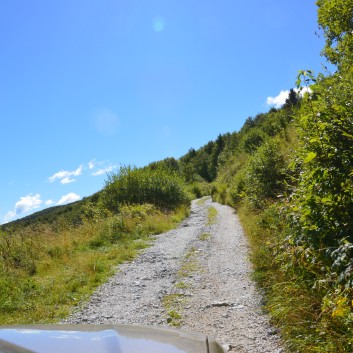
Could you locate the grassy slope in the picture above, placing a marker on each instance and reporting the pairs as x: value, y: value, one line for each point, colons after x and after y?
x: 45, y: 272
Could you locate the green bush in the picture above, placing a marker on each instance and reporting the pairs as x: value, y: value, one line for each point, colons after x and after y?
x: 17, y: 253
x: 199, y: 189
x: 133, y: 185
x: 321, y: 213
x: 265, y: 174
x: 236, y: 191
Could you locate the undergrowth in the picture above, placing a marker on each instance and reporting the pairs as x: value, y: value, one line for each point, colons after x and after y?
x: 309, y: 319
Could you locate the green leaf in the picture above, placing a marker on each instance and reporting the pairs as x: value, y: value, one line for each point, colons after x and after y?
x: 347, y: 134
x: 298, y: 82
x: 326, y: 201
x: 310, y: 156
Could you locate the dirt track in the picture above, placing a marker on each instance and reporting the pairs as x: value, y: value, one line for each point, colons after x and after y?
x: 197, y: 277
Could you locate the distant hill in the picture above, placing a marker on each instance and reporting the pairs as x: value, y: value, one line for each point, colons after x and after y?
x: 70, y: 214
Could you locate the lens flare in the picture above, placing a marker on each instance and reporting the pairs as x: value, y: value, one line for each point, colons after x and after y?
x: 158, y: 24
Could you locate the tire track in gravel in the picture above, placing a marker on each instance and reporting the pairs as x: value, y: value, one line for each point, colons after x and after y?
x: 214, y: 295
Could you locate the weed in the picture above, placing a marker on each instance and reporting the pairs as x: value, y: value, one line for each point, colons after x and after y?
x: 172, y: 304
x: 174, y: 318
x: 205, y: 236
x: 189, y: 264
x: 212, y: 215
x: 182, y: 285
x: 203, y: 200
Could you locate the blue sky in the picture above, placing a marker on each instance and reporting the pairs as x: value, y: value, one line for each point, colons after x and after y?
x: 88, y: 85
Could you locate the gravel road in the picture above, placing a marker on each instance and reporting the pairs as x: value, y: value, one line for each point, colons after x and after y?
x: 196, y: 277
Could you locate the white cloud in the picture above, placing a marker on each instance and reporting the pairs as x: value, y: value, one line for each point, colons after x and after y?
x: 65, y: 177
x: 24, y: 205
x: 280, y: 99
x: 70, y: 197
x: 104, y: 170
x: 27, y: 203
x: 303, y: 91
x: 67, y: 180
x: 92, y: 163
x: 49, y: 202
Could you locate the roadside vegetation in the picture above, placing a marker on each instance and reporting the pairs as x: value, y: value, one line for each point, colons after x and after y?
x: 290, y: 179
x: 48, y: 267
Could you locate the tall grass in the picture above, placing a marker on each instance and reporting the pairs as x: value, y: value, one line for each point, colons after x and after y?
x: 45, y: 273
x: 307, y: 321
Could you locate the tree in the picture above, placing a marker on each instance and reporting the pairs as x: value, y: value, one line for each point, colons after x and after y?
x: 335, y: 19
x: 292, y: 100
x: 218, y: 147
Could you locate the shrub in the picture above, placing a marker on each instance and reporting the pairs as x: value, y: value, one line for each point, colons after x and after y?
x: 133, y: 185
x: 265, y: 174
x: 199, y: 189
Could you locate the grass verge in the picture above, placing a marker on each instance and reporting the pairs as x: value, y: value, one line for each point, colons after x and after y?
x: 44, y: 274
x: 290, y: 299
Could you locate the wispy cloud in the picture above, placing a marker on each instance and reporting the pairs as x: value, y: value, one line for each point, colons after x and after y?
x: 66, y: 177
x: 70, y: 197
x: 280, y: 99
x: 104, y: 170
x: 24, y: 205
x: 92, y: 163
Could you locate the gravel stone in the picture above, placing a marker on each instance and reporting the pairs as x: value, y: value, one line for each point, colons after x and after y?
x: 220, y: 301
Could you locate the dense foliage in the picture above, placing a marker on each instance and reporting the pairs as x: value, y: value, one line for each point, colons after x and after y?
x: 157, y: 186
x: 335, y: 18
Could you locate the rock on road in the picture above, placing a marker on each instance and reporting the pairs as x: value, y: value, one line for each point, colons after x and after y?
x: 196, y: 276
